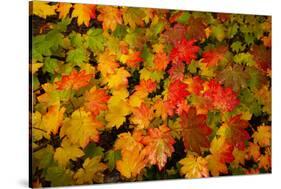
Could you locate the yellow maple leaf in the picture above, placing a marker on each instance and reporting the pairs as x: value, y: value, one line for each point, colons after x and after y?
x: 81, y: 128
x: 92, y: 171
x: 215, y: 166
x: 118, y: 108
x: 194, y: 167
x: 118, y: 79
x: 253, y: 151
x: 239, y: 157
x: 107, y: 63
x: 262, y: 136
x: 63, y: 9
x: 50, y: 122
x: 110, y: 17
x: 133, y: 158
x: 66, y: 152
x: 134, y: 17
x: 43, y: 9
x: 84, y: 13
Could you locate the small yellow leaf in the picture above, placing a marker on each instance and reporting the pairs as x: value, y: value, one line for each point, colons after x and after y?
x: 66, y: 152
x: 43, y: 9
x: 194, y: 167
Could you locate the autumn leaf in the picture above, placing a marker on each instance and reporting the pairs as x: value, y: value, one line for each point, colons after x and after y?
x: 194, y: 167
x: 107, y: 63
x: 158, y: 146
x: 175, y: 34
x: 92, y: 171
x: 67, y: 152
x: 63, y: 9
x: 59, y: 176
x: 222, y: 150
x: 110, y: 17
x: 161, y: 61
x: 234, y: 131
x: 48, y: 123
x: 84, y: 13
x: 96, y: 101
x: 253, y: 151
x: 133, y: 16
x: 184, y: 51
x: 262, y: 56
x: 81, y: 128
x: 142, y: 116
x: 43, y: 9
x: 214, y: 56
x: 262, y: 136
x: 224, y: 99
x: 215, y: 166
x: 75, y: 80
x: 196, y: 28
x: 176, y: 72
x: 118, y: 108
x: 118, y: 79
x: 133, y: 159
x: 195, y: 130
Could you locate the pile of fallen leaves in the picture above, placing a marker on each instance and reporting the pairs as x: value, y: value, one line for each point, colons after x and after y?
x: 129, y: 94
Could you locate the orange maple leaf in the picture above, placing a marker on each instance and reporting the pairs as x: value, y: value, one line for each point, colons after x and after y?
x: 158, y: 145
x: 84, y: 13
x: 214, y: 56
x: 96, y: 101
x: 75, y: 80
x: 110, y: 17
x: 63, y: 9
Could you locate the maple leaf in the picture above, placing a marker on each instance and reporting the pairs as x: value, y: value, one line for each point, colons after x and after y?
x: 239, y: 157
x: 75, y: 80
x: 158, y: 145
x: 118, y: 108
x: 110, y: 17
x: 195, y: 85
x: 63, y: 9
x: 92, y: 171
x: 215, y: 166
x: 221, y: 98
x: 262, y: 56
x: 222, y: 150
x: 118, y: 79
x: 194, y: 130
x: 196, y: 28
x: 81, y: 128
x: 59, y: 176
x: 133, y: 16
x: 67, y: 152
x: 84, y: 13
x: 214, y: 56
x: 234, y: 131
x: 175, y: 34
x: 96, y: 101
x: 194, y: 167
x: 265, y: 161
x: 133, y: 159
x: 43, y: 9
x: 176, y: 72
x: 48, y: 123
x: 161, y: 60
x: 142, y: 116
x: 234, y: 77
x: 184, y: 51
x: 262, y: 136
x: 95, y: 40
x: 146, y: 85
x: 132, y: 59
x: 107, y: 63
x: 253, y: 151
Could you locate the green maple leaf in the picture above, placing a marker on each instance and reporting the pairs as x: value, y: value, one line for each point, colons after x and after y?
x: 77, y: 56
x: 95, y: 40
x: 111, y: 157
x: 50, y: 65
x: 237, y: 46
x: 93, y: 150
x: 58, y: 176
x: 244, y: 59
x: 76, y: 39
x: 234, y: 77
x: 218, y: 32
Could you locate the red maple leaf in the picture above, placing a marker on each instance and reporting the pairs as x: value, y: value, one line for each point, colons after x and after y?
x: 195, y: 130
x: 262, y: 56
x: 214, y: 56
x: 224, y: 99
x: 146, y: 85
x: 184, y: 51
x: 75, y: 80
x: 234, y: 132
x: 176, y: 72
x: 177, y: 93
